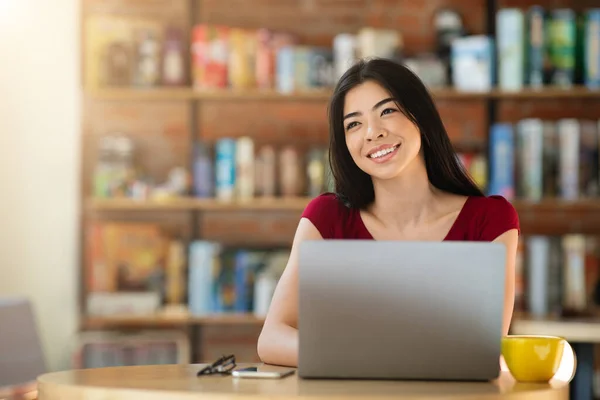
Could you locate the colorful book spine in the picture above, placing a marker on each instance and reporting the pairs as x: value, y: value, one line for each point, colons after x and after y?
x: 285, y: 69
x: 588, y: 158
x: 550, y: 160
x: 538, y: 250
x: 530, y: 133
x: 535, y: 50
x: 574, y: 274
x: 569, y: 138
x: 510, y: 47
x: 562, y: 47
x: 200, y: 291
x: 592, y: 48
x: 501, y: 181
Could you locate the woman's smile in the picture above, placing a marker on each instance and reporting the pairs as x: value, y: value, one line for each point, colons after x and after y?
x: 383, y: 153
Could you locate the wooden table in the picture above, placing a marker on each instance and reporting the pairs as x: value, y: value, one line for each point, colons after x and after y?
x: 179, y: 382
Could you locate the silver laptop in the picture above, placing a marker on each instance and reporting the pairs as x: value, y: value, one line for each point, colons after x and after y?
x: 400, y: 310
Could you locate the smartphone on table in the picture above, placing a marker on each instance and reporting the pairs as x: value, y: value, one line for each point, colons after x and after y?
x: 263, y: 372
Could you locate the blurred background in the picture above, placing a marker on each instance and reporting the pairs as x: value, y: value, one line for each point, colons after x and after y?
x: 157, y: 154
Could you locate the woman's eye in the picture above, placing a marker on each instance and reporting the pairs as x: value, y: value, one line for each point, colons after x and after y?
x: 388, y: 111
x: 351, y: 125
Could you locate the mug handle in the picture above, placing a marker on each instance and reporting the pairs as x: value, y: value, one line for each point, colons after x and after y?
x: 568, y: 363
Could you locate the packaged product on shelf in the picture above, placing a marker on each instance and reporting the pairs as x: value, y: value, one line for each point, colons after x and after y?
x: 244, y: 179
x: 173, y: 61
x: 315, y: 171
x: 285, y: 70
x: 104, y: 169
x: 291, y: 176
x: 147, y: 71
x: 242, y: 58
x: 383, y: 43
x: 472, y: 63
x: 265, y: 59
x: 210, y: 52
x: 321, y: 73
x: 203, y: 172
x: 301, y: 67
x: 225, y: 169
x: 266, y: 176
x: 344, y: 53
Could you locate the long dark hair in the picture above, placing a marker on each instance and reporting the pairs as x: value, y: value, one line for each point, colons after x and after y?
x: 353, y: 186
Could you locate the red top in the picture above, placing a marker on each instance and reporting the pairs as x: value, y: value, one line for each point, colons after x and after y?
x: 481, y: 219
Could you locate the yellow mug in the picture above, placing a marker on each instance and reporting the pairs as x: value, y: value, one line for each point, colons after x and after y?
x: 534, y: 358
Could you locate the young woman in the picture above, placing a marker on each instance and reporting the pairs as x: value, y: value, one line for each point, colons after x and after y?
x: 397, y: 177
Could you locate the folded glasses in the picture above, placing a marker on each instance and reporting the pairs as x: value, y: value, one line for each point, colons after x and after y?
x: 223, y: 366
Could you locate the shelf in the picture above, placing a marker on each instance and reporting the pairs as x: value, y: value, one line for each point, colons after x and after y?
x: 547, y: 93
x: 574, y: 330
x: 299, y: 203
x: 583, y: 330
x: 553, y: 205
x: 189, y: 204
x: 165, y: 320
x: 185, y: 93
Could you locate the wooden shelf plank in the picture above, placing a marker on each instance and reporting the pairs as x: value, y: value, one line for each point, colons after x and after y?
x: 126, y: 204
x: 582, y: 205
x: 299, y: 203
x: 546, y: 93
x: 186, y: 93
x: 167, y: 320
x: 584, y: 330
x: 574, y: 330
x: 140, y: 94
x: 189, y: 204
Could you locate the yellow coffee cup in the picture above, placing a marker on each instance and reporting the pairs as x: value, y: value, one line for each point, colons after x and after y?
x: 533, y: 358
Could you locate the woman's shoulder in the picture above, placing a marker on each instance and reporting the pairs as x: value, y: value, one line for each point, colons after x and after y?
x: 325, y: 211
x: 492, y: 215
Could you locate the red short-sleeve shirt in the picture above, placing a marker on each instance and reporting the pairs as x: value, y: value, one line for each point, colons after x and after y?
x: 482, y: 218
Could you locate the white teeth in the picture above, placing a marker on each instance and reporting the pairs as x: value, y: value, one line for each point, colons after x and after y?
x: 382, y: 153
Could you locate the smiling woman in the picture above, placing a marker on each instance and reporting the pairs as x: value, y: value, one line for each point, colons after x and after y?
x: 397, y: 177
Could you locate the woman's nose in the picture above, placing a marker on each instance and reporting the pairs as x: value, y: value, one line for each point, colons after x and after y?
x: 375, y: 132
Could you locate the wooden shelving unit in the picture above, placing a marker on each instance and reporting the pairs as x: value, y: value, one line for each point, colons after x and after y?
x: 179, y: 111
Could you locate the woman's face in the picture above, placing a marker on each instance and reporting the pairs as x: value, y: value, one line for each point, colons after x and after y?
x: 381, y: 139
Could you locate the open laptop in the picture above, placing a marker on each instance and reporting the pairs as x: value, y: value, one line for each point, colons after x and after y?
x: 400, y: 310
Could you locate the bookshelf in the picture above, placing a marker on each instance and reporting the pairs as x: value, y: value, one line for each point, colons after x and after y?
x: 181, y: 113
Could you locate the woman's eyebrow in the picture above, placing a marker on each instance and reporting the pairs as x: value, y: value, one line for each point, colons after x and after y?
x: 379, y: 104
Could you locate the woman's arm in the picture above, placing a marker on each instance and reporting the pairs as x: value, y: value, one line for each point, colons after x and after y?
x: 278, y: 340
x: 511, y: 241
